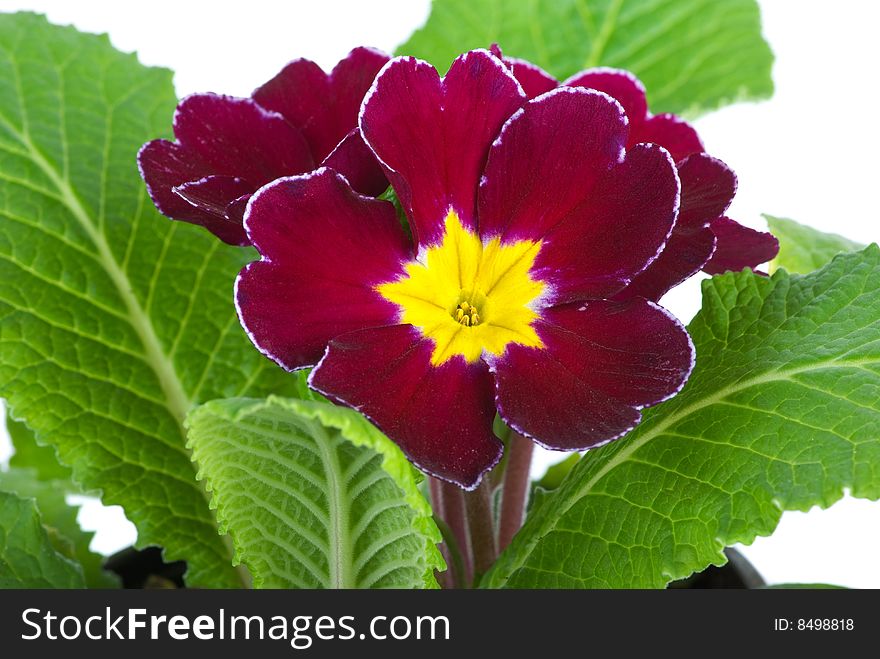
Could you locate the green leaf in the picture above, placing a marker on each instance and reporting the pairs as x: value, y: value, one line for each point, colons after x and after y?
x: 555, y: 473
x: 27, y: 557
x: 551, y: 479
x: 59, y: 518
x: 30, y: 455
x: 781, y: 413
x: 114, y: 321
x: 36, y: 473
x: 803, y: 249
x: 692, y: 55
x: 314, y: 496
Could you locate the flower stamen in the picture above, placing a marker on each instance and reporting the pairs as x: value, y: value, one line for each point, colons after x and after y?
x: 466, y: 314
x: 458, y: 290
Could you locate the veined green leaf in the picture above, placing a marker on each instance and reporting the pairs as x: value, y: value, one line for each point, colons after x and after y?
x: 59, y: 519
x: 114, y: 321
x: 314, y: 496
x: 781, y: 413
x: 27, y: 557
x: 555, y: 473
x: 804, y: 249
x: 692, y: 55
x: 34, y: 472
x: 30, y: 455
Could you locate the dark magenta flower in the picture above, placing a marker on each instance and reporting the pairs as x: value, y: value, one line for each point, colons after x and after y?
x: 226, y: 148
x: 707, y: 188
x: 704, y: 238
x: 527, y: 217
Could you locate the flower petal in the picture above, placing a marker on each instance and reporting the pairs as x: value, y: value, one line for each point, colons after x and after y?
x: 533, y: 79
x: 323, y: 106
x: 351, y: 79
x: 620, y: 85
x: 547, y: 160
x: 237, y: 137
x: 235, y: 213
x: 433, y: 135
x: 440, y: 416
x: 602, y: 362
x: 672, y: 133
x: 739, y: 247
x: 618, y: 230
x: 356, y: 162
x: 684, y: 255
x: 165, y: 165
x: 707, y: 188
x: 324, y: 250
x: 213, y: 194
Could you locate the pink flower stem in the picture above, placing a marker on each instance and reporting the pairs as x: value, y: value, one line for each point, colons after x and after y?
x: 482, y: 528
x: 448, y: 504
x: 516, y: 488
x: 445, y: 579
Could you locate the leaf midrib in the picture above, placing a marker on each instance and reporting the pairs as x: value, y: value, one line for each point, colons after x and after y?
x: 176, y: 400
x: 624, y: 454
x: 340, y: 558
x: 603, y: 36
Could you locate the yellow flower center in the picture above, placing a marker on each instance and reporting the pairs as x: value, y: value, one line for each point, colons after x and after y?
x: 469, y: 296
x: 466, y: 314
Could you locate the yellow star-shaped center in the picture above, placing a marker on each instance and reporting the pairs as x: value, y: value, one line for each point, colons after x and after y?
x: 470, y: 296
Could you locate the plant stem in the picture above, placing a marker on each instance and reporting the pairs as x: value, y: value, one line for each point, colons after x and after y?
x: 448, y: 500
x: 516, y: 488
x: 482, y: 528
x: 446, y: 579
x: 455, y: 575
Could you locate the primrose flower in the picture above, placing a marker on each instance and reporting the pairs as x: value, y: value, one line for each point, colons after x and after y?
x: 227, y: 147
x: 527, y: 217
x: 704, y: 238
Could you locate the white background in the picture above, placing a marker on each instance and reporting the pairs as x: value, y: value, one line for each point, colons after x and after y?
x: 810, y: 154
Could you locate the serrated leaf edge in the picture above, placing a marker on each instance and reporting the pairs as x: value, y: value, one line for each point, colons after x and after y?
x: 393, y: 463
